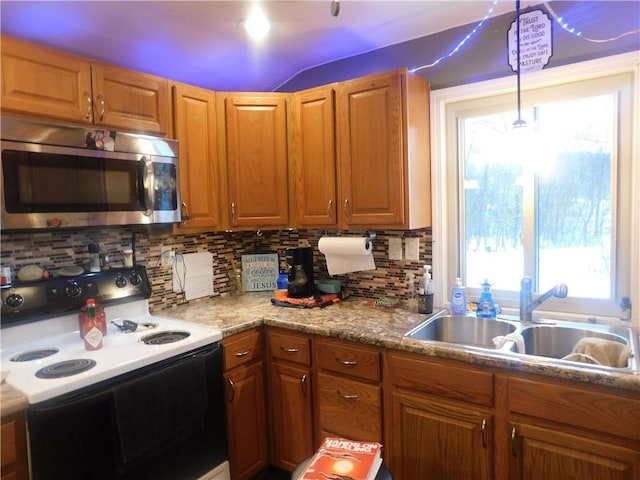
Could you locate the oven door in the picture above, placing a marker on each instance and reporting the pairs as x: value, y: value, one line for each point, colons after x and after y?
x: 48, y: 186
x: 166, y: 421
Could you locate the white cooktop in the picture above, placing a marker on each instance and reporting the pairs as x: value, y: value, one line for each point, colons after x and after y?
x: 121, y: 352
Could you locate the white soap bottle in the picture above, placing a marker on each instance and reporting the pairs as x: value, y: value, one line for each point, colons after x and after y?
x: 428, y: 282
x: 458, y: 299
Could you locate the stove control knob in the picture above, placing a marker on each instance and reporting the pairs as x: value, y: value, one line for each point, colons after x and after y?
x: 121, y: 281
x: 14, y: 300
x: 135, y: 279
x: 72, y: 289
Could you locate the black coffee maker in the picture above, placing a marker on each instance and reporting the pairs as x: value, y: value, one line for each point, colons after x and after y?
x: 300, y: 272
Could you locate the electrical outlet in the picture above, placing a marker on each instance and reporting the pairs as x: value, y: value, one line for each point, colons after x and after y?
x: 167, y: 257
x: 412, y: 249
x: 395, y: 249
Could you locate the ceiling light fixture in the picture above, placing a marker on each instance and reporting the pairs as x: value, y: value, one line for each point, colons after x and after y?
x: 519, y: 123
x: 257, y: 25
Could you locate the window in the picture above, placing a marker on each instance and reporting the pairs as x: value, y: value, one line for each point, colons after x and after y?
x: 552, y: 201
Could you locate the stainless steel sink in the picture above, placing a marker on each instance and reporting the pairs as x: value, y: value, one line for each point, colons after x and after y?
x: 461, y: 330
x: 557, y: 342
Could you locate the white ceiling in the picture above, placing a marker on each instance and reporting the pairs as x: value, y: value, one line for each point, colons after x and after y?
x: 203, y: 42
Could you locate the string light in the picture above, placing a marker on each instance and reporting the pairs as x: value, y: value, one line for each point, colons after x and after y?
x: 572, y: 30
x: 460, y: 45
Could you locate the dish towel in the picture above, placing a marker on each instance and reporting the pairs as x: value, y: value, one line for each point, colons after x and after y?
x: 516, y: 338
x: 158, y: 410
x: 600, y: 351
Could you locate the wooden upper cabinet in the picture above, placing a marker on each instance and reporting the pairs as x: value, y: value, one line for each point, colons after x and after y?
x: 314, y: 153
x: 130, y: 100
x: 384, y: 154
x: 255, y: 127
x: 195, y: 129
x: 44, y: 82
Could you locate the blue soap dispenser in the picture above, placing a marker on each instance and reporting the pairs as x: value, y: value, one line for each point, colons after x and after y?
x: 458, y: 299
x: 486, y: 305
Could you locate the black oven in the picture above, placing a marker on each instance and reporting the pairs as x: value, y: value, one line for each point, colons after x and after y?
x: 162, y: 422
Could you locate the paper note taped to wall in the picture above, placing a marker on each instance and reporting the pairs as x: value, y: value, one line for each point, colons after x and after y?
x: 193, y: 275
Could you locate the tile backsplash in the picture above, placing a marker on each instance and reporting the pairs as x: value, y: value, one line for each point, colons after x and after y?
x: 55, y: 249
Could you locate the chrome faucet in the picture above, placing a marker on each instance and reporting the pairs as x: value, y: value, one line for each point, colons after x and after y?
x: 528, y: 304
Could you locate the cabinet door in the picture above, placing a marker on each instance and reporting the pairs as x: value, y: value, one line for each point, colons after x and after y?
x: 291, y: 399
x: 348, y: 408
x: 246, y: 420
x: 431, y: 439
x: 257, y: 160
x: 130, y: 100
x: 15, y: 464
x: 538, y: 452
x: 315, y: 157
x: 195, y: 129
x: 44, y: 82
x: 371, y: 162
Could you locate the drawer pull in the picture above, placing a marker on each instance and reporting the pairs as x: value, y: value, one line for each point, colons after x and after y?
x: 303, y: 384
x: 483, y: 429
x: 244, y: 354
x: 347, y: 363
x: 102, y: 107
x: 346, y: 396
x: 514, y: 434
x: 89, y: 114
x: 289, y: 350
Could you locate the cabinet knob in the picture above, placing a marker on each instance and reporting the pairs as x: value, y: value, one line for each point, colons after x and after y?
x: 345, y: 209
x: 89, y: 114
x: 231, y: 389
x: 483, y: 429
x: 514, y: 435
x: 303, y: 384
x: 185, y: 216
x: 102, y: 106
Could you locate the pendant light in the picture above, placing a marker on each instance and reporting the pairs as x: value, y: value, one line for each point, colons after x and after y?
x: 519, y: 123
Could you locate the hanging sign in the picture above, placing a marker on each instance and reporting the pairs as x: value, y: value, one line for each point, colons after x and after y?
x: 260, y: 271
x: 536, y: 43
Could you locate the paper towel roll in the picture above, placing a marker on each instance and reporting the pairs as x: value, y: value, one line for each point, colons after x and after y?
x: 347, y: 254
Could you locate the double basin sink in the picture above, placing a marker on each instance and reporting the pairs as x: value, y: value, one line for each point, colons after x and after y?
x: 551, y: 341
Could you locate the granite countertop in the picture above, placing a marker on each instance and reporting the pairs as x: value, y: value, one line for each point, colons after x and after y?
x: 359, y: 320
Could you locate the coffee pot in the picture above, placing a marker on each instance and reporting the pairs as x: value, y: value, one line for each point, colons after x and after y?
x: 300, y: 272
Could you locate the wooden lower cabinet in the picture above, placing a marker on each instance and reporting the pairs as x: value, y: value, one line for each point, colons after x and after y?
x: 542, y: 452
x: 440, y: 420
x: 14, y: 464
x: 562, y: 430
x: 348, y: 391
x: 434, y: 439
x: 291, y: 398
x: 246, y: 407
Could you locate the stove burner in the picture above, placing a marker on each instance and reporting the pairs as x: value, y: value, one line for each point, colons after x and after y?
x: 66, y: 368
x: 161, y: 338
x: 34, y: 355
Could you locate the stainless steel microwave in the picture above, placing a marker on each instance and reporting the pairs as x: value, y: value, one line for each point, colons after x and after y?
x: 63, y: 176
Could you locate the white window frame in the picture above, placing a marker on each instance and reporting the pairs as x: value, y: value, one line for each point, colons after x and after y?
x: 443, y: 184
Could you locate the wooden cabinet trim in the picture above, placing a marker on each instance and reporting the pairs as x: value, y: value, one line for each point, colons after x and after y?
x: 349, y: 359
x: 242, y: 348
x: 289, y: 347
x: 598, y: 411
x: 458, y: 382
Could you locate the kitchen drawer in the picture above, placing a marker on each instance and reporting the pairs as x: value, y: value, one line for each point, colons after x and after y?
x: 614, y: 414
x: 457, y: 382
x: 242, y: 348
x: 289, y: 346
x: 349, y: 408
x: 348, y: 359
